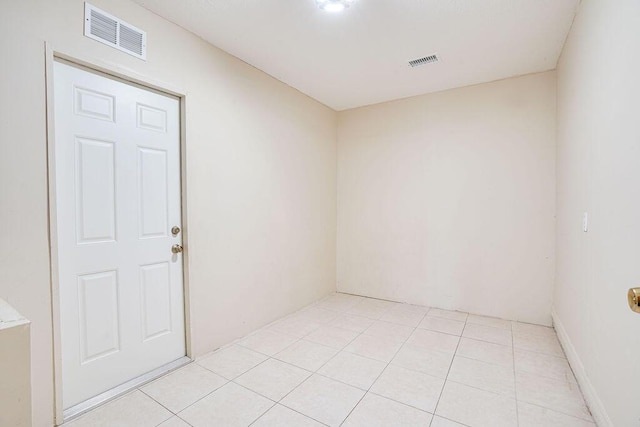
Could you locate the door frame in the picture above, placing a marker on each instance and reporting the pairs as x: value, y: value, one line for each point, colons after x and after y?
x: 114, y: 71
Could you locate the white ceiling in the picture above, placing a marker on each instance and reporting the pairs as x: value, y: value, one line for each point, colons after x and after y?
x: 359, y: 57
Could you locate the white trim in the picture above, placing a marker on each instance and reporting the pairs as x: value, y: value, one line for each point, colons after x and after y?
x: 147, y: 82
x: 594, y: 403
x: 53, y: 238
x: 118, y: 71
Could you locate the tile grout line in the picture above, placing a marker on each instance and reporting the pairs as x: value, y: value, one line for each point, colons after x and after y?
x: 173, y: 414
x: 548, y: 378
x: 159, y: 403
x: 333, y: 348
x: 346, y: 312
x: 315, y: 373
x: 203, y: 397
x: 342, y: 349
x: 351, y: 385
x: 347, y: 384
x: 397, y: 401
x: 258, y: 393
x: 311, y: 372
x: 482, y: 389
x: 435, y: 410
x: 275, y: 403
x: 339, y: 313
x: 278, y: 401
x: 356, y: 337
x: 298, y: 339
x: 383, y: 371
x: 183, y: 420
x: 449, y: 419
x: 223, y: 385
x: 560, y: 412
x: 523, y: 401
x: 497, y: 365
x: 438, y: 331
x: 369, y: 358
x: 359, y: 388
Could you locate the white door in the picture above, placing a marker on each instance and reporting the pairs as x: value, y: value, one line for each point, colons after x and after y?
x: 117, y: 161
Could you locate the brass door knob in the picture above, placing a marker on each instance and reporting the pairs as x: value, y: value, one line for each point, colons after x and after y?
x: 176, y: 249
x: 634, y: 299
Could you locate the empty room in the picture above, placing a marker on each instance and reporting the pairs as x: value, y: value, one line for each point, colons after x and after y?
x: 313, y: 213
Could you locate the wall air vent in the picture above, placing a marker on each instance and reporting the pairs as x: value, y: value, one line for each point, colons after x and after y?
x: 426, y: 60
x: 114, y: 32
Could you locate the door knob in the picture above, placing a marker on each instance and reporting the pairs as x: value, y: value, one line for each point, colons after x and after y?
x: 634, y: 299
x: 176, y: 249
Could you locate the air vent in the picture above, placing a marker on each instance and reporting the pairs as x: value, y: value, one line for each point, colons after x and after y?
x: 426, y: 60
x: 114, y: 32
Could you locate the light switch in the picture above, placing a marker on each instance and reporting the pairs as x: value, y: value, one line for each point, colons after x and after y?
x: 585, y: 222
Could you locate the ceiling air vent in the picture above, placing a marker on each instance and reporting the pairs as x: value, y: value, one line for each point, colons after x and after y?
x: 114, y: 32
x: 426, y: 60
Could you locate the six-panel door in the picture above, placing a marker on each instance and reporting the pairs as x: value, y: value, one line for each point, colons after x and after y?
x: 117, y: 161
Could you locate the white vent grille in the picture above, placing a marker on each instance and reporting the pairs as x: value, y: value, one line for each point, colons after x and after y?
x: 426, y: 60
x: 114, y: 32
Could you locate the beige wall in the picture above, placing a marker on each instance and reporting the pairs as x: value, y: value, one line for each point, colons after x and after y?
x: 15, y: 368
x: 15, y: 387
x: 261, y: 172
x: 448, y: 199
x: 599, y: 173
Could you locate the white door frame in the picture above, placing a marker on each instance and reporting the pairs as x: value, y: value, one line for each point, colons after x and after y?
x: 112, y: 70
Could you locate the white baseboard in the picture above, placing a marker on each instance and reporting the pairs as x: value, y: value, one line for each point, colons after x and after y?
x: 594, y: 403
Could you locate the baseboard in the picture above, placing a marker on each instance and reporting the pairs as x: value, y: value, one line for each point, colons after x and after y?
x: 594, y: 403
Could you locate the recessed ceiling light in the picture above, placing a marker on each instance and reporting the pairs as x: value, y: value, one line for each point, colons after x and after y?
x: 334, y: 5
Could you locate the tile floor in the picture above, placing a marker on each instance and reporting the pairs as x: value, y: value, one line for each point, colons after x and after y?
x: 354, y: 361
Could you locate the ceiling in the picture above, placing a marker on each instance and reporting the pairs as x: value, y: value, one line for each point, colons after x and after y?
x: 360, y: 56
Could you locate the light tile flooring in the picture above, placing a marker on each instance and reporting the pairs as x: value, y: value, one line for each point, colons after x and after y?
x: 354, y: 361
